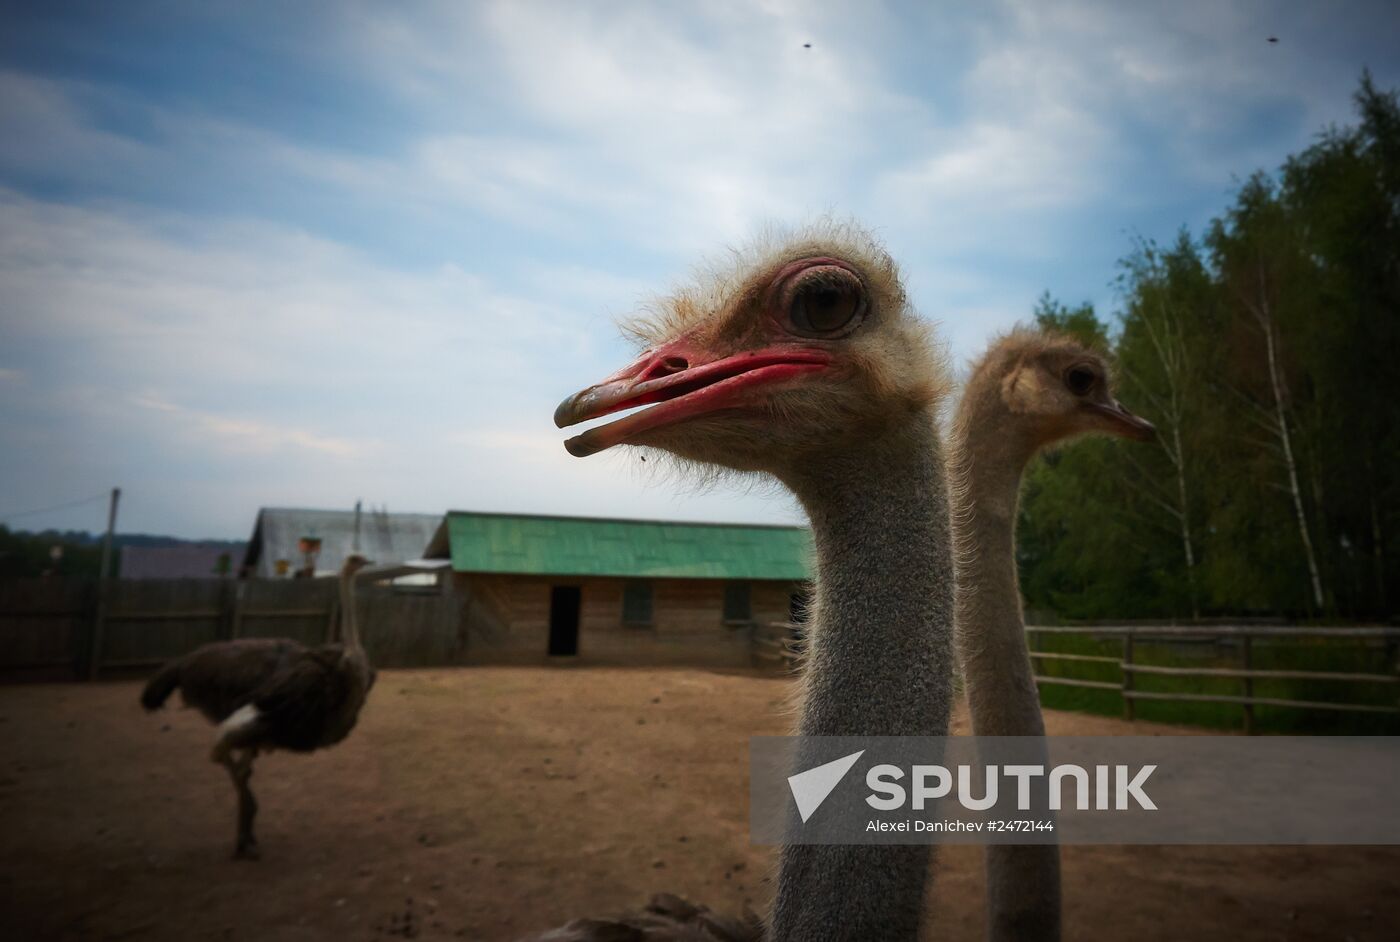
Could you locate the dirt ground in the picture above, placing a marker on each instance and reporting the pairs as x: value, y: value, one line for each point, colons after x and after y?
x: 483, y: 803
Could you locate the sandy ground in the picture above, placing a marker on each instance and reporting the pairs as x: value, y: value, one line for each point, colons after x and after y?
x: 485, y: 803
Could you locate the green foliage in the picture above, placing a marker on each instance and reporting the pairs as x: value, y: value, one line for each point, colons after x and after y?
x: 32, y: 554
x: 1081, y: 322
x: 1264, y: 353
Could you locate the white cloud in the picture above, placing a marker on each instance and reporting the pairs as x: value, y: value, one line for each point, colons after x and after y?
x: 236, y: 435
x: 673, y: 132
x: 245, y: 365
x: 395, y: 320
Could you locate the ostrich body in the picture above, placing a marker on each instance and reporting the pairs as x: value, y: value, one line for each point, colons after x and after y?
x: 1028, y: 391
x: 807, y: 364
x: 271, y: 693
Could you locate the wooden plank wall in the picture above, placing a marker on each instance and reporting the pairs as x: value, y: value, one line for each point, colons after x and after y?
x: 46, y: 625
x: 411, y: 629
x: 507, y: 619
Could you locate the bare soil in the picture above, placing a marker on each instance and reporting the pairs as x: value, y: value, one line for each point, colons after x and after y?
x: 484, y: 803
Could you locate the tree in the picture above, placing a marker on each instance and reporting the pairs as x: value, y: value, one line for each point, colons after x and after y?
x: 1263, y: 272
x: 1163, y: 354
x: 1266, y: 355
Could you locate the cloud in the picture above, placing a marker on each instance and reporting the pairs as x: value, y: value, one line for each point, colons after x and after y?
x: 211, y: 367
x: 673, y: 132
x: 230, y: 300
x: 239, y: 435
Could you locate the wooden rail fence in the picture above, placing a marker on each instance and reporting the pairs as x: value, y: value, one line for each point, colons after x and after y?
x: 1131, y: 667
x: 776, y: 643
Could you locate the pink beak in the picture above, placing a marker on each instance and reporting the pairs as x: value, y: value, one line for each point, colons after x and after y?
x: 687, y: 381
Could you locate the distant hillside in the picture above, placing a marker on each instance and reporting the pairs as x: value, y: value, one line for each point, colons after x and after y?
x: 26, y: 553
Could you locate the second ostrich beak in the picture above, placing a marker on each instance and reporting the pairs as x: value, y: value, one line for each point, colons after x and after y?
x: 686, y: 381
x: 1115, y: 419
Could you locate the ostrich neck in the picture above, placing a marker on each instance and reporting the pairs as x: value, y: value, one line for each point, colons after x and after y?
x: 997, y: 672
x: 349, y: 628
x: 878, y: 662
x: 1023, y: 882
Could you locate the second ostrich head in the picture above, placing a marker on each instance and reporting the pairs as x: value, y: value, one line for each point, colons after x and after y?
x: 804, y: 345
x: 1041, y: 388
x: 353, y: 564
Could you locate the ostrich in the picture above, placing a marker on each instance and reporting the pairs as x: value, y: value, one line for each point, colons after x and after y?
x: 805, y: 362
x: 1029, y: 390
x: 272, y: 693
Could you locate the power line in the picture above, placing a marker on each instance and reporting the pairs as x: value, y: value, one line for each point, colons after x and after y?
x: 43, y: 510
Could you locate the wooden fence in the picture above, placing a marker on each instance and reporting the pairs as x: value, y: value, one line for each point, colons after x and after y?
x: 71, y: 627
x: 778, y: 643
x: 1245, y: 639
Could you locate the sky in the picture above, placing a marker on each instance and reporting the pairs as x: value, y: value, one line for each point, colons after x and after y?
x: 265, y: 254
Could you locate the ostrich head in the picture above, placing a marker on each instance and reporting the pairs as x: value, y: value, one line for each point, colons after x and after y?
x: 1048, y: 387
x: 353, y: 564
x: 804, y: 345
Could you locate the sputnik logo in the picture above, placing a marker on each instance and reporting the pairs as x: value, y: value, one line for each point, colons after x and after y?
x: 810, y: 788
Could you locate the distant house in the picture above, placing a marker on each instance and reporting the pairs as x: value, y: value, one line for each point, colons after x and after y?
x: 191, y: 561
x: 287, y: 540
x: 618, y: 591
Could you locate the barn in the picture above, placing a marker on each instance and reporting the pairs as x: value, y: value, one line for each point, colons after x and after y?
x: 533, y: 589
x: 288, y: 539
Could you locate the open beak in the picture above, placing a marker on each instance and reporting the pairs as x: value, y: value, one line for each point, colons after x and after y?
x: 1117, y: 420
x: 685, y: 381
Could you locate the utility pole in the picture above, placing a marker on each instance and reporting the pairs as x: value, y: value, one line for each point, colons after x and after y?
x: 111, y: 529
x: 99, y: 615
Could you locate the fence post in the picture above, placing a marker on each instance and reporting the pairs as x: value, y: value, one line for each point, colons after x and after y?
x: 224, y: 630
x: 1033, y: 646
x: 1247, y: 658
x: 1127, y: 681
x: 80, y: 642
x: 99, y: 618
x: 235, y: 624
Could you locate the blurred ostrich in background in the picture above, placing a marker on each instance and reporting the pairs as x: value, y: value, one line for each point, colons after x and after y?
x: 272, y: 693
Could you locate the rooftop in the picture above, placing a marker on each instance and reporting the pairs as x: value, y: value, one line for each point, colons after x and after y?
x: 382, y: 537
x: 528, y: 544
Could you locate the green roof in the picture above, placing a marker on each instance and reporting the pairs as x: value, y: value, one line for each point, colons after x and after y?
x: 581, y: 546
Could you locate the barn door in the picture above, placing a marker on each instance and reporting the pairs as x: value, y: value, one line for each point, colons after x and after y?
x: 563, y: 620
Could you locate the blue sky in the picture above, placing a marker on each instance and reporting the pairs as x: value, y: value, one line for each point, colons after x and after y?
x: 299, y: 254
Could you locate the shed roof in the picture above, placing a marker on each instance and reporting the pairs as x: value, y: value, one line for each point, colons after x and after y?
x: 383, y: 537
x: 589, y: 546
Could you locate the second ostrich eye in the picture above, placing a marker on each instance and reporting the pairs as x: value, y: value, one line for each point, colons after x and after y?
x: 1080, y: 380
x: 826, y: 302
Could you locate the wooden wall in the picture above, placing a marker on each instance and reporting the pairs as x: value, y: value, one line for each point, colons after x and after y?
x: 59, y: 628
x: 508, y: 620
x: 55, y: 628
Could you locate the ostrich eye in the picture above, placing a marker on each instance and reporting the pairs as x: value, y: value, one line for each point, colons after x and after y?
x: 826, y: 301
x: 1080, y: 379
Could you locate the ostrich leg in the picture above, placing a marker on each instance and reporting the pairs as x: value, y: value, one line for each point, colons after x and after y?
x: 241, y: 770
